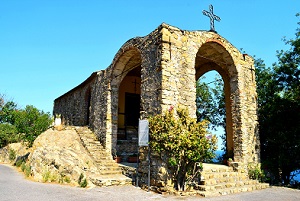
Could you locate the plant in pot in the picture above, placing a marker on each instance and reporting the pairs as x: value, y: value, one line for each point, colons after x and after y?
x: 133, y: 158
x: 229, y: 161
x: 116, y: 156
x: 227, y: 155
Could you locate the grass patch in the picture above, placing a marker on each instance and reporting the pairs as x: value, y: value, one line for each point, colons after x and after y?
x: 46, y: 176
x: 82, y: 181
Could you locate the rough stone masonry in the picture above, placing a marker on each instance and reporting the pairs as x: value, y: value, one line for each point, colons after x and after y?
x: 152, y: 73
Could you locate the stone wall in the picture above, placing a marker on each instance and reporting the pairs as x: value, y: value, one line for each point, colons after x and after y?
x: 74, y: 106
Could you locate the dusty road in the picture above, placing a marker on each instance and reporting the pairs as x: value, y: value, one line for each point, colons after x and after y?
x: 14, y: 187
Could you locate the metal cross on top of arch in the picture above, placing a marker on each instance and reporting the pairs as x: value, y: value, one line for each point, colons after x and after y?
x: 212, y: 17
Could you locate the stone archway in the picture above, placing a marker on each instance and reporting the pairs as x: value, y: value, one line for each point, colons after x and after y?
x: 213, y: 56
x: 126, y: 90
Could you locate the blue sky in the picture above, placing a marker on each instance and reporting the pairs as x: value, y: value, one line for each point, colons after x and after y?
x: 47, y: 47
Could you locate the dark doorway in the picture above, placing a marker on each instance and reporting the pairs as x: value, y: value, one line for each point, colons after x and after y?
x: 88, y: 97
x: 132, y: 109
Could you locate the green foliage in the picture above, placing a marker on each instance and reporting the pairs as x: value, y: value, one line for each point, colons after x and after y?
x: 19, y: 163
x: 278, y: 91
x: 181, y: 142
x: 46, y: 176
x: 66, y: 179
x: 23, y: 166
x: 82, y: 181
x: 8, y: 134
x: 210, y: 101
x: 7, y: 112
x: 31, y: 122
x: 11, y: 154
x: 21, y: 124
x: 255, y: 172
x: 27, y: 170
x: 62, y: 178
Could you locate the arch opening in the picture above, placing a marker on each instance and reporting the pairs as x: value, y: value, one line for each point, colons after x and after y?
x: 210, y: 103
x: 127, y: 90
x: 212, y: 56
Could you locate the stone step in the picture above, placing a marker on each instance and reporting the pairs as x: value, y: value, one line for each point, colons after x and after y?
x: 109, y: 180
x: 215, y: 186
x: 232, y: 190
x: 221, y: 179
x: 103, y: 159
x: 227, y: 180
x: 214, y: 168
x: 110, y: 172
x: 109, y: 165
x: 92, y: 141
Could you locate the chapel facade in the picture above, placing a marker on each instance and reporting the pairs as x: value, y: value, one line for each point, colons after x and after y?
x: 150, y: 74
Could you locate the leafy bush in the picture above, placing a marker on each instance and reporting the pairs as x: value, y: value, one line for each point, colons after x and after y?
x: 46, y: 176
x: 181, y: 142
x: 21, y: 124
x: 19, y: 163
x: 11, y: 154
x: 82, y: 182
x: 7, y: 112
x: 8, y: 134
x: 255, y: 172
x: 31, y: 122
x: 23, y: 166
x: 67, y: 179
x: 27, y: 170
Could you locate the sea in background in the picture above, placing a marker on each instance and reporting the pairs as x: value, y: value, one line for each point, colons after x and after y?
x: 219, y: 153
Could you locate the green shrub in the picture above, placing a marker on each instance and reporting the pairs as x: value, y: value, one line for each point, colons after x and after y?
x: 181, y: 141
x: 82, y: 182
x: 46, y: 176
x: 63, y: 179
x: 31, y: 122
x: 80, y: 178
x: 8, y: 134
x: 255, y: 172
x: 67, y: 179
x: 21, y: 124
x: 23, y: 166
x: 11, y: 154
x: 27, y: 170
x: 19, y: 163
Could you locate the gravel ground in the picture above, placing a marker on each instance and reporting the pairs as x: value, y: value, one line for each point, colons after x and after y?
x: 13, y: 187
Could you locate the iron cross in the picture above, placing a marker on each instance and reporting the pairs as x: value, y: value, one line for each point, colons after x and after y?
x: 212, y: 17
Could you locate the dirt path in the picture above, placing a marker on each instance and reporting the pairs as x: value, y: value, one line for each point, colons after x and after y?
x: 13, y: 187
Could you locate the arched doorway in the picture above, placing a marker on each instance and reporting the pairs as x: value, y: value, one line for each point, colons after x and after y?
x: 126, y: 92
x: 129, y: 105
x: 213, y: 56
x: 88, y: 97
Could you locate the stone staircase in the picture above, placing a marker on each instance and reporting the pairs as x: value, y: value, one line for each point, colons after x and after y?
x: 110, y: 173
x: 219, y: 180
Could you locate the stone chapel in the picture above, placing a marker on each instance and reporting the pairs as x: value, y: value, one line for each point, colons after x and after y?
x: 150, y: 74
